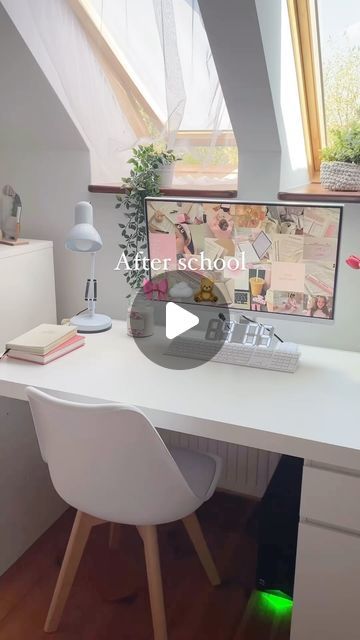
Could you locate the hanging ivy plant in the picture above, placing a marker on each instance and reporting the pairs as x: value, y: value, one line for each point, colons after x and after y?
x: 143, y: 181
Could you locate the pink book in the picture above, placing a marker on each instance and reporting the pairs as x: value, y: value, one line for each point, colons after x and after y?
x: 70, y: 345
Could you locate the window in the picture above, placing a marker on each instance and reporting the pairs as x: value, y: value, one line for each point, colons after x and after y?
x: 164, y: 77
x: 339, y: 38
x: 326, y: 39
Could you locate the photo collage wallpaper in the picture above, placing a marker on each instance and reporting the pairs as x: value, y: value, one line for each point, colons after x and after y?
x: 268, y: 258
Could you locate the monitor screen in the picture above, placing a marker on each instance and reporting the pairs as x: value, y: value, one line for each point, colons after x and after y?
x: 272, y: 258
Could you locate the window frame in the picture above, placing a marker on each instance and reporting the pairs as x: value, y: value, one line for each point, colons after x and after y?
x: 303, y: 18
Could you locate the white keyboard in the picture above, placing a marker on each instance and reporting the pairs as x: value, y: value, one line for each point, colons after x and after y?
x: 282, y: 357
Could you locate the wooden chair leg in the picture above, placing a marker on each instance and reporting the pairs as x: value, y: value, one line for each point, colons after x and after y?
x: 196, y: 535
x: 78, y: 538
x: 114, y: 536
x: 151, y: 550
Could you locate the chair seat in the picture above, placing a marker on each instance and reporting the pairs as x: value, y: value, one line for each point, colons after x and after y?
x: 200, y: 470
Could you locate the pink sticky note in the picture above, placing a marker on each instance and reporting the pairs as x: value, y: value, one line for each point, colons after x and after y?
x: 288, y: 276
x: 163, y: 246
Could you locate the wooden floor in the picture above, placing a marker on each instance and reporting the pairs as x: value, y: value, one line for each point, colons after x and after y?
x: 109, y: 599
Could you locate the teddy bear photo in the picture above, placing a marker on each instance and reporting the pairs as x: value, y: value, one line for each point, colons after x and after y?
x: 205, y: 293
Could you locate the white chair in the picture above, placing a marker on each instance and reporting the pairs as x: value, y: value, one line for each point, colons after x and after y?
x: 109, y: 462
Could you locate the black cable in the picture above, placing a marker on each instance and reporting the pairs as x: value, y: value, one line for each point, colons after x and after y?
x: 4, y: 354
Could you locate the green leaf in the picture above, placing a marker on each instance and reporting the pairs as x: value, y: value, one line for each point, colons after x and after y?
x: 144, y: 180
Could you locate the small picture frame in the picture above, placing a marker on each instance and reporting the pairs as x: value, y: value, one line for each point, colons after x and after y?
x: 10, y: 215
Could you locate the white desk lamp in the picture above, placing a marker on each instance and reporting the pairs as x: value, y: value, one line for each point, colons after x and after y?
x: 83, y: 237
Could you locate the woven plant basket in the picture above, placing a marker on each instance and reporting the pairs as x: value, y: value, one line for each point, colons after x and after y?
x: 340, y: 176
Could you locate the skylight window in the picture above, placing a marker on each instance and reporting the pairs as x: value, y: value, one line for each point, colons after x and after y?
x: 339, y: 31
x: 326, y: 40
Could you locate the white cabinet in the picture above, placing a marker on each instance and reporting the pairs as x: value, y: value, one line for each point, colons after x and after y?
x: 28, y: 502
x: 331, y: 497
x: 27, y: 288
x: 326, y: 598
x: 326, y: 595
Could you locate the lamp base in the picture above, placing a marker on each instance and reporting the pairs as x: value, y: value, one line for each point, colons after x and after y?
x: 87, y: 323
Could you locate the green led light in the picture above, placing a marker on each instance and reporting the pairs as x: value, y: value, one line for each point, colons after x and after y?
x: 275, y: 602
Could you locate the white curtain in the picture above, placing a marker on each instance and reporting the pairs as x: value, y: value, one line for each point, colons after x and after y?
x: 163, y: 85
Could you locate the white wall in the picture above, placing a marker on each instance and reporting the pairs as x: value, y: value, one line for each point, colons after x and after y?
x: 43, y: 156
x: 17, y: 12
x: 31, y: 115
x: 252, y: 48
x: 276, y: 37
x: 50, y: 183
x: 234, y: 35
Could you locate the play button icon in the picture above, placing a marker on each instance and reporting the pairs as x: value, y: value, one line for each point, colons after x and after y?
x: 178, y: 320
x: 174, y: 317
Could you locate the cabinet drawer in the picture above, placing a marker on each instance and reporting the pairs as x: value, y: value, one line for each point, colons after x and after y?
x: 326, y: 596
x: 331, y: 498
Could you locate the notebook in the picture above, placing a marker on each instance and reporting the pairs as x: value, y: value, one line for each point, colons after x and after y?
x: 42, y: 339
x: 74, y: 343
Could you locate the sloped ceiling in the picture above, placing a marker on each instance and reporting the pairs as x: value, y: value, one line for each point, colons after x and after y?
x: 235, y: 40
x: 31, y: 114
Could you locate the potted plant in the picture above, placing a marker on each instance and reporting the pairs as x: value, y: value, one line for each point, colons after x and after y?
x: 340, y: 166
x: 145, y: 179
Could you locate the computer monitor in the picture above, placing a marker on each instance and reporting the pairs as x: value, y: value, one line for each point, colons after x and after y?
x: 258, y: 257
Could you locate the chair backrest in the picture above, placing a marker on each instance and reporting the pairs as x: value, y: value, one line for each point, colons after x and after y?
x: 108, y: 460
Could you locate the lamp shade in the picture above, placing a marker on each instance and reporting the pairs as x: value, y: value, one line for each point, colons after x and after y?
x: 83, y: 235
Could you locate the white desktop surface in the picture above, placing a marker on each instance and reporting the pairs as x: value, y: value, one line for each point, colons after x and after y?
x: 312, y: 413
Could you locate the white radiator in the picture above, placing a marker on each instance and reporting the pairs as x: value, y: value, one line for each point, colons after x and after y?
x: 246, y: 471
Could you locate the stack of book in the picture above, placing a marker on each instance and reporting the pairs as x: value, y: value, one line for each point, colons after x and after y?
x: 45, y: 343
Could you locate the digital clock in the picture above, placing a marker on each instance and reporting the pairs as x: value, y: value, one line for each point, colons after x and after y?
x: 251, y: 334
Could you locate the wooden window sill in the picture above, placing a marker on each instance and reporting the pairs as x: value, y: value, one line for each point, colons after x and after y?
x: 210, y: 192
x: 314, y: 192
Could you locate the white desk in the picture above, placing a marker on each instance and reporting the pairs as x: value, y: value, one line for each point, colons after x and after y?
x: 311, y: 414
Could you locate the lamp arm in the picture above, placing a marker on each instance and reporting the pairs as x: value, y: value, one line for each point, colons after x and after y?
x: 91, y: 287
x: 92, y: 266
